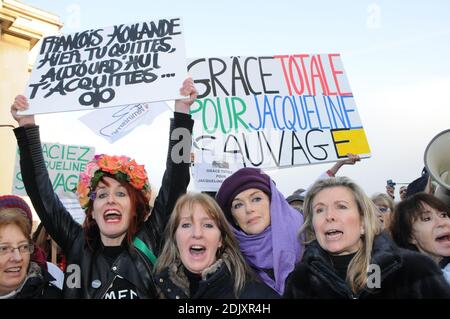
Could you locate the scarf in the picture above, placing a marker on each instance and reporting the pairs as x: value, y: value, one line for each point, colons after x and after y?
x: 33, y: 271
x: 277, y: 247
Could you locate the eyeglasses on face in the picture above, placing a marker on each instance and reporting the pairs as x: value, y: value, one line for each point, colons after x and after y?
x: 23, y: 249
x: 384, y: 209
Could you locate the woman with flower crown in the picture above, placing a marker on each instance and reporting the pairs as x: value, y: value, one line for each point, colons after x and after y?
x: 111, y: 255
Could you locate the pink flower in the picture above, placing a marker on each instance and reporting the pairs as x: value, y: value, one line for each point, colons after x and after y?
x: 91, y: 168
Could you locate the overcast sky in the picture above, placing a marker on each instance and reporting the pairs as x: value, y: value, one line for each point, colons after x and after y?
x: 396, y: 56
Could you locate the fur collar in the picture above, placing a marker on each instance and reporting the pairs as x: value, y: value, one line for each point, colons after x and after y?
x: 178, y: 277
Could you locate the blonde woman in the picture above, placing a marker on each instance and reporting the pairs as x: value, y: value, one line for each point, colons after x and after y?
x: 347, y: 256
x: 385, y: 206
x: 201, y: 258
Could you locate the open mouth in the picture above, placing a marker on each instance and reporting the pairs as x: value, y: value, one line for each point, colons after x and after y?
x: 197, y: 250
x: 333, y: 234
x: 112, y: 216
x: 443, y: 238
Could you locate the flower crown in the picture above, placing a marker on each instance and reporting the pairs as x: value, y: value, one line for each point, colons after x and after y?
x: 122, y: 168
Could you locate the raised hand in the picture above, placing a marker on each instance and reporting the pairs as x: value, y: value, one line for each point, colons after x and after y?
x: 352, y: 159
x: 21, y: 104
x: 188, y: 89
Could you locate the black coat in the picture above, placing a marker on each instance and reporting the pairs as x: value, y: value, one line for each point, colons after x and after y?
x: 217, y: 284
x: 404, y: 274
x: 131, y: 264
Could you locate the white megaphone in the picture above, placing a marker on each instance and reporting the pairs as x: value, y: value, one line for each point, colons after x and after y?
x: 437, y: 163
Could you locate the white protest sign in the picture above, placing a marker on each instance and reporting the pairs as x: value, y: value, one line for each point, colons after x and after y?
x: 114, y: 123
x: 104, y: 67
x: 275, y: 111
x: 210, y: 176
x: 64, y: 164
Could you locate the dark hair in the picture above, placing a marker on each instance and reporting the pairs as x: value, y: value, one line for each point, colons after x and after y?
x: 40, y: 239
x: 407, y: 212
x: 140, y: 208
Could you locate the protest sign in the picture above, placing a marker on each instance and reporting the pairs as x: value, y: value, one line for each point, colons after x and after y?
x: 275, y: 111
x: 114, y: 123
x: 104, y: 67
x: 64, y: 164
x: 209, y: 176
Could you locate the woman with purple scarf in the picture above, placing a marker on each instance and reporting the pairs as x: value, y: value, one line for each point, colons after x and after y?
x: 265, y: 225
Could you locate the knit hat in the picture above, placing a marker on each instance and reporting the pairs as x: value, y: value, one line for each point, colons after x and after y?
x: 241, y: 180
x: 13, y: 201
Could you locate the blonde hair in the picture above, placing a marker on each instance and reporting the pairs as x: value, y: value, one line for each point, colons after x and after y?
x: 229, y: 252
x: 357, y: 269
x: 385, y: 199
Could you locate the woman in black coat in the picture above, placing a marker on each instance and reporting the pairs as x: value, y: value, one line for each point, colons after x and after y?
x: 348, y: 257
x: 111, y: 256
x: 422, y: 223
x: 201, y: 258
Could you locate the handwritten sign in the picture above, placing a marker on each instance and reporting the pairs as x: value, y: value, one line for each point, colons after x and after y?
x: 275, y: 111
x: 114, y: 123
x: 106, y: 67
x: 64, y: 164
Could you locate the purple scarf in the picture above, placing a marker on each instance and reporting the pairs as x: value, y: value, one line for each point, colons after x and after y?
x: 277, y: 247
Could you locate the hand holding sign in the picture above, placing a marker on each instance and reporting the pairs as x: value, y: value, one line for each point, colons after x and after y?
x: 21, y: 104
x: 188, y: 89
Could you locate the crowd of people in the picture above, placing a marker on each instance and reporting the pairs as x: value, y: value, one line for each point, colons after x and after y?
x: 330, y: 240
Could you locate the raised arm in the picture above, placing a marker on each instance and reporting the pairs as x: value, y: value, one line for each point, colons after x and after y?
x: 350, y: 160
x: 176, y: 176
x: 57, y: 221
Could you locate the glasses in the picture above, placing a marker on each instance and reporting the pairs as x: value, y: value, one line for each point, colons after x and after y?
x: 23, y: 249
x: 384, y: 209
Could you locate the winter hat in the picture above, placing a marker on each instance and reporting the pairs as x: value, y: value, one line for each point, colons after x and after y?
x: 241, y: 180
x: 295, y: 197
x: 298, y: 195
x: 418, y: 185
x: 13, y: 201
